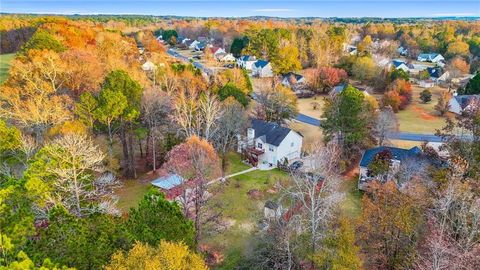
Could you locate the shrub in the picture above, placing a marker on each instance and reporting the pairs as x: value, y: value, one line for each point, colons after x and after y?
x: 426, y: 96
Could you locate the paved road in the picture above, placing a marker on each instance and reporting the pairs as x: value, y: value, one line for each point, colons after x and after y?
x: 198, y: 65
x: 313, y: 121
x: 399, y: 136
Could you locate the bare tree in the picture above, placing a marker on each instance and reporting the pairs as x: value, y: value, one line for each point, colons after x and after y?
x: 73, y: 161
x: 197, y: 114
x: 386, y: 124
x: 232, y: 122
x: 156, y: 106
x: 318, y: 193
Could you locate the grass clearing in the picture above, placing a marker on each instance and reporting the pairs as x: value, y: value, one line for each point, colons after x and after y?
x: 311, y: 134
x: 131, y: 193
x: 419, y: 117
x: 405, y: 144
x: 235, y: 163
x: 241, y: 212
x: 5, y: 60
x: 352, y: 205
x: 305, y: 106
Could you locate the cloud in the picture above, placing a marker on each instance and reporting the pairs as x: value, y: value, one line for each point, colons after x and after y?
x: 455, y: 14
x: 273, y: 10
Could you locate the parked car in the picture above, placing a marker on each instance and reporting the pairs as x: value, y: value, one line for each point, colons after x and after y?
x: 296, y: 165
x: 229, y: 66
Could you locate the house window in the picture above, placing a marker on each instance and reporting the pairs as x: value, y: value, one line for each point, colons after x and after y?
x: 259, y: 145
x: 270, y: 148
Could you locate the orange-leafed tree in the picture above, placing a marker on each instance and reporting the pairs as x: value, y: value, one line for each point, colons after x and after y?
x: 197, y: 163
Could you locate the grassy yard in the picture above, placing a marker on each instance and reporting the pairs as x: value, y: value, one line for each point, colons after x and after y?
x: 241, y: 212
x: 311, y: 134
x: 5, y: 60
x: 405, y: 144
x: 131, y: 193
x: 305, y: 106
x: 235, y: 163
x: 419, y: 117
x: 352, y: 204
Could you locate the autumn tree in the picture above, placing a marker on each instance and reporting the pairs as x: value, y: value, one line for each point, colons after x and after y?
x: 426, y: 96
x: 389, y: 227
x: 42, y: 40
x: 325, y: 78
x: 442, y: 106
x: 275, y: 103
x: 457, y: 48
x: 364, y: 69
x: 32, y: 97
x: 339, y: 249
x: 168, y: 255
x: 197, y: 163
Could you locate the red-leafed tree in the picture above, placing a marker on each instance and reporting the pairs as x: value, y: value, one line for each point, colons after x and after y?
x: 324, y: 78
x: 197, y: 163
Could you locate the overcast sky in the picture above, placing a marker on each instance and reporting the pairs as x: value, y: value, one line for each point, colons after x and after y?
x: 235, y: 8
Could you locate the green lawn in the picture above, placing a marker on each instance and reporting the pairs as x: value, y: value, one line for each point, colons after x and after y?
x: 235, y: 163
x: 419, y: 117
x: 131, y: 193
x: 353, y: 198
x: 240, y: 212
x: 5, y: 60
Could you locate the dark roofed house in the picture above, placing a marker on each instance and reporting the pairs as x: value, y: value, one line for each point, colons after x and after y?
x: 460, y: 103
x: 262, y: 69
x: 291, y: 79
x: 271, y: 143
x: 398, y: 156
x: 435, y: 73
x: 272, y: 210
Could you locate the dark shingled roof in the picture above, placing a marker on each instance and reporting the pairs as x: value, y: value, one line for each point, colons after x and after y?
x: 261, y: 63
x: 274, y: 134
x: 397, y: 153
x: 465, y: 100
x: 434, y: 72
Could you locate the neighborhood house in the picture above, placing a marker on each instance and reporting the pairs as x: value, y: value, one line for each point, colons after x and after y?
x: 430, y: 57
x: 170, y: 184
x: 262, y: 69
x: 398, y: 156
x: 269, y: 143
x: 460, y: 103
x: 291, y: 79
x: 246, y: 62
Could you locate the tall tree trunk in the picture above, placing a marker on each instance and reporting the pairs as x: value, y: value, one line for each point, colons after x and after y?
x: 154, y: 154
x: 131, y: 156
x: 125, y: 161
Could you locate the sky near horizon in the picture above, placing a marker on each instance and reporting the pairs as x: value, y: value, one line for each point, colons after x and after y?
x: 235, y: 8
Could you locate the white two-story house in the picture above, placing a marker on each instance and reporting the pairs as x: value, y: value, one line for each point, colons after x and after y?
x: 268, y: 143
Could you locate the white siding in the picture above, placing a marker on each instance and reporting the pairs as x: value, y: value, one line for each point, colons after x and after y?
x: 454, y: 106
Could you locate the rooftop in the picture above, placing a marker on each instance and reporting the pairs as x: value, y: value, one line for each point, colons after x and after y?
x: 273, y: 133
x: 397, y: 154
x: 168, y: 182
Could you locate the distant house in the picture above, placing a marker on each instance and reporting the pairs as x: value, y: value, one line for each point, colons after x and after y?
x: 428, y: 83
x: 192, y: 44
x: 417, y: 68
x: 398, y: 156
x: 148, y: 66
x: 402, y: 51
x: 272, y: 210
x: 262, y: 69
x: 291, y: 79
x: 246, y: 62
x: 200, y: 46
x: 444, y: 77
x: 435, y: 73
x: 269, y: 143
x: 217, y: 50
x: 171, y: 185
x: 339, y: 88
x: 350, y: 49
x: 460, y: 103
x: 399, y: 64
x: 430, y: 57
x: 225, y: 57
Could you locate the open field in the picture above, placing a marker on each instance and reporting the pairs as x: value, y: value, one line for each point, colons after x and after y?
x: 419, y: 117
x: 311, y: 134
x: 241, y: 212
x: 305, y: 106
x: 405, y: 144
x: 5, y: 60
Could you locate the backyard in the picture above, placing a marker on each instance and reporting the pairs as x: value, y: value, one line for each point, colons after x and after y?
x: 419, y: 117
x: 5, y: 60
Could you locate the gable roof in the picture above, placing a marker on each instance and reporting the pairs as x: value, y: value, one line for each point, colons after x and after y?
x: 397, y: 154
x: 434, y: 72
x: 429, y: 56
x: 398, y: 63
x: 261, y: 63
x: 466, y: 100
x: 247, y: 58
x: 168, y: 182
x: 272, y: 133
